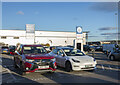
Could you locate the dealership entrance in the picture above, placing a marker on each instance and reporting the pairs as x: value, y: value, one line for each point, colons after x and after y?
x: 79, y: 46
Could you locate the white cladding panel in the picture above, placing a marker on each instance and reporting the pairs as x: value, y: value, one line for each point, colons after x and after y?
x: 57, y: 38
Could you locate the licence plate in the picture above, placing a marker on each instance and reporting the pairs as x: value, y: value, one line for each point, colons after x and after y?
x: 43, y: 66
x: 88, y: 65
x: 4, y: 51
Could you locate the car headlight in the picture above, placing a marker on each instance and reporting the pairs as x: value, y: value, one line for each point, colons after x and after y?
x: 29, y: 60
x: 53, y: 59
x: 76, y: 61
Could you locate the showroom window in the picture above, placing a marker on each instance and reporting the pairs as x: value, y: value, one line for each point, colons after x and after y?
x: 16, y: 37
x: 3, y: 37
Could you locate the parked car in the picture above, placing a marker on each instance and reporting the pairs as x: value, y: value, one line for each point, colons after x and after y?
x: 5, y: 49
x: 107, y: 48
x: 98, y: 48
x: 86, y: 48
x: 114, y: 55
x: 47, y: 48
x: 33, y: 58
x: 12, y: 49
x: 73, y: 59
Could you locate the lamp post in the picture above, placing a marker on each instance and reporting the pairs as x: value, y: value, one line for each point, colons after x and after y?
x: 116, y: 28
x: 87, y: 36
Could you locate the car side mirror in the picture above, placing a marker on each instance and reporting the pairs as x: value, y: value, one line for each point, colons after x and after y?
x: 62, y: 55
x: 20, y: 53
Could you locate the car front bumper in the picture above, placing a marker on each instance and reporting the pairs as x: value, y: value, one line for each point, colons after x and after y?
x: 33, y: 67
x: 84, y: 66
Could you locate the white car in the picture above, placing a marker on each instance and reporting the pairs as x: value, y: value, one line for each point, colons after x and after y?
x: 73, y: 59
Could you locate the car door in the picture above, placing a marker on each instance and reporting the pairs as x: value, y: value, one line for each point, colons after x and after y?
x: 19, y: 56
x: 55, y: 54
x: 61, y: 57
x: 117, y: 55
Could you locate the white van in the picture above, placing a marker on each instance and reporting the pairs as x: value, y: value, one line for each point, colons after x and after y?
x: 108, y: 47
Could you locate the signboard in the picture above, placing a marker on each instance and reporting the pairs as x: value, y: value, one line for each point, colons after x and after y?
x: 79, y: 34
x: 78, y: 30
x: 30, y: 33
x: 30, y: 28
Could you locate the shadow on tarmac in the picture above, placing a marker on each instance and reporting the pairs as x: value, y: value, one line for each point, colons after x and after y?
x: 58, y: 77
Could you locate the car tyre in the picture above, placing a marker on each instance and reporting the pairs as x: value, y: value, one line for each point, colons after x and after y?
x: 68, y: 67
x: 22, y: 70
x: 112, y: 58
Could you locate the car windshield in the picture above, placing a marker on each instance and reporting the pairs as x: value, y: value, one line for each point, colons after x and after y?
x: 4, y: 47
x: 12, y: 47
x: 34, y: 50
x: 73, y: 52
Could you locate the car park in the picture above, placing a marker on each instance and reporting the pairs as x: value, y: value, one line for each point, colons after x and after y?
x: 5, y: 49
x: 34, y: 58
x: 114, y: 55
x: 73, y: 59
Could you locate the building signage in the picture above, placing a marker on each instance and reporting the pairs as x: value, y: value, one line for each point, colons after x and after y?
x: 79, y: 34
x: 30, y: 33
x: 30, y: 28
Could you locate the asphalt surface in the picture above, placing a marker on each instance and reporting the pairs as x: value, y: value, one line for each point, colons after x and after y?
x: 106, y: 72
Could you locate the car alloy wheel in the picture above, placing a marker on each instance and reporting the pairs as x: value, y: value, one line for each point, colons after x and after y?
x: 68, y: 67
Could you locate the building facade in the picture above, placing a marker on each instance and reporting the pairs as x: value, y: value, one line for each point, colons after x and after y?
x: 54, y: 38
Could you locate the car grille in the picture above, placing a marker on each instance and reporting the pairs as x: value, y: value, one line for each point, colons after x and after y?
x: 42, y: 61
x: 88, y: 68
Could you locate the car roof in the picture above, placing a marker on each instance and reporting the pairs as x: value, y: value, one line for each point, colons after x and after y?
x: 64, y: 48
x: 34, y: 45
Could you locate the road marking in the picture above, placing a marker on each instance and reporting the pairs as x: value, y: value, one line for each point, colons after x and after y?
x: 117, y: 68
x: 103, y: 67
x: 109, y: 67
x: 11, y: 74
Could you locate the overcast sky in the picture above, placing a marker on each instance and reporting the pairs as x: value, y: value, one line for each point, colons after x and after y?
x: 97, y: 17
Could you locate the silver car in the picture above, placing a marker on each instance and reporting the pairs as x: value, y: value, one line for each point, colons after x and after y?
x: 73, y: 59
x: 114, y: 55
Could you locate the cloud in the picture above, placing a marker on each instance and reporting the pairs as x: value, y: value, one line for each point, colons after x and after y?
x: 75, y: 18
x: 112, y: 34
x: 107, y: 28
x: 105, y: 6
x: 13, y: 28
x: 92, y: 36
x: 20, y: 13
x: 36, y: 12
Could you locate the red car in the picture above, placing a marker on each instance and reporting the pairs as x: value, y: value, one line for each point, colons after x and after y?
x: 33, y: 58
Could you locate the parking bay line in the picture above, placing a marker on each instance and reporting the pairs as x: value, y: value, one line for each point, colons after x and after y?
x: 11, y: 74
x: 102, y: 67
x: 110, y: 67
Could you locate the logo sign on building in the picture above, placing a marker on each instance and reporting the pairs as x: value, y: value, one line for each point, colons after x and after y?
x: 30, y: 28
x: 79, y: 32
x: 30, y: 33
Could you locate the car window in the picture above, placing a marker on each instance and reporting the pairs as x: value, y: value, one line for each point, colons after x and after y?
x: 32, y: 49
x: 4, y: 47
x: 76, y: 53
x: 73, y: 52
x: 60, y: 52
x: 55, y: 51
